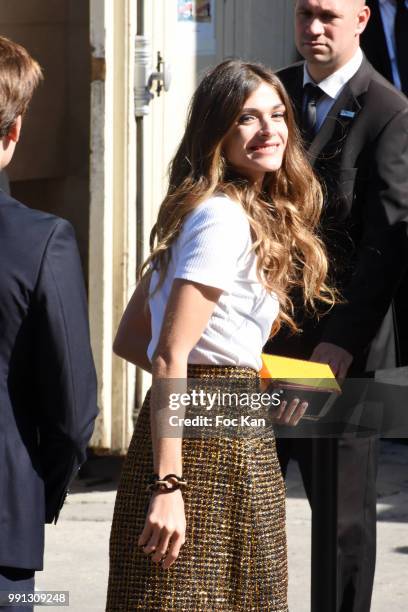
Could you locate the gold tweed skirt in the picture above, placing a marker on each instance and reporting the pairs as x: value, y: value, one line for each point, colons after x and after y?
x: 234, y: 558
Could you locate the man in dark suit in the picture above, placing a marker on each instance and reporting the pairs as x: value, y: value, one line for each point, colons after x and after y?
x: 385, y: 44
x: 355, y: 126
x: 385, y: 40
x: 48, y: 384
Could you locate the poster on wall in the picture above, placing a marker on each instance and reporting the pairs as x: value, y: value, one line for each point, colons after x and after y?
x: 196, y: 22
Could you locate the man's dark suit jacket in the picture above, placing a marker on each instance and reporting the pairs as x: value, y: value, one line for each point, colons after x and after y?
x: 361, y: 153
x: 374, y: 45
x: 47, y: 384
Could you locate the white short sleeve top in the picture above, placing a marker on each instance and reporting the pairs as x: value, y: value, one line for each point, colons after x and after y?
x: 214, y: 248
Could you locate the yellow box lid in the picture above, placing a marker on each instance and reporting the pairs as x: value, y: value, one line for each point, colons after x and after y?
x: 299, y: 372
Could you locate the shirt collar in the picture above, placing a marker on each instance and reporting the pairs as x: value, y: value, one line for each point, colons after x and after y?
x: 333, y: 84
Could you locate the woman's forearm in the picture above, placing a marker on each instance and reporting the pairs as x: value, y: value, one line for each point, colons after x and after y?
x: 188, y: 311
x: 169, y: 376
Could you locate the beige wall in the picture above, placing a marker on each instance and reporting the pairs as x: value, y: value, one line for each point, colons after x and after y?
x: 50, y: 167
x: 112, y: 237
x: 256, y: 30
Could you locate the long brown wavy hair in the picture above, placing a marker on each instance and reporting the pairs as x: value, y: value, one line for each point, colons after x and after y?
x: 283, y: 217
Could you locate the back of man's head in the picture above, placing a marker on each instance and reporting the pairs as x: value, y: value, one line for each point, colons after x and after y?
x: 19, y: 76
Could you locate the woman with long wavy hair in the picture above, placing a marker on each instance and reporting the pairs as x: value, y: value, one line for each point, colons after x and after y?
x: 199, y: 522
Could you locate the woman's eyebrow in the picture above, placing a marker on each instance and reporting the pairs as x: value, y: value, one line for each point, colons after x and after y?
x: 256, y: 110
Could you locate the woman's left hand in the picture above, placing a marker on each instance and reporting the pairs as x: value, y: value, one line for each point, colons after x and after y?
x: 290, y: 414
x: 165, y: 527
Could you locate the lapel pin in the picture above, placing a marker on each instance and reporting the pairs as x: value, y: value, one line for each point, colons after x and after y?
x: 348, y: 114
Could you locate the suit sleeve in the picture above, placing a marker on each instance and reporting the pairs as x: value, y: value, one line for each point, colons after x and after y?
x: 382, y: 253
x: 64, y: 371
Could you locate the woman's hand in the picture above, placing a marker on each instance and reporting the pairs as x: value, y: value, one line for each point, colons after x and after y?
x: 290, y: 414
x: 165, y: 527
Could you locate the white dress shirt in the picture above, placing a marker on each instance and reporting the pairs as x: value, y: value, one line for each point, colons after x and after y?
x: 388, y: 10
x: 333, y: 85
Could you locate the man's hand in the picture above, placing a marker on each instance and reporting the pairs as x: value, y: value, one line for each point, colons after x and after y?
x: 336, y: 357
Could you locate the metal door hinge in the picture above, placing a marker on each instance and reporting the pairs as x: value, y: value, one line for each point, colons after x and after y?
x: 145, y: 77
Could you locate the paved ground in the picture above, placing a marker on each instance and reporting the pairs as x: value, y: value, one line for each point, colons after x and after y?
x: 77, y: 548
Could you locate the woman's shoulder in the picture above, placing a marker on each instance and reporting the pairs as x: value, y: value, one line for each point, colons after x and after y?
x: 217, y: 223
x: 218, y: 209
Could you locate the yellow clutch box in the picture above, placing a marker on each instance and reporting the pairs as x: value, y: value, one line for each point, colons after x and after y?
x: 310, y: 381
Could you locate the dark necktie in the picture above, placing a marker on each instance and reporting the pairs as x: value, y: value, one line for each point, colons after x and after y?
x: 401, y: 43
x: 312, y: 94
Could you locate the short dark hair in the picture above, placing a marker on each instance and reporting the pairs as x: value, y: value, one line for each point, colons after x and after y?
x: 19, y: 76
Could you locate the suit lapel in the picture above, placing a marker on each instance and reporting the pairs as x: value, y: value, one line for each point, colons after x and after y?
x: 298, y: 98
x: 328, y: 141
x: 337, y: 123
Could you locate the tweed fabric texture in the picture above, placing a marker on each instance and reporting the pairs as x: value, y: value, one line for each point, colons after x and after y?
x: 234, y: 558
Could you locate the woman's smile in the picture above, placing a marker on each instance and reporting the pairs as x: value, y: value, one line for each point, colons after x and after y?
x: 265, y: 148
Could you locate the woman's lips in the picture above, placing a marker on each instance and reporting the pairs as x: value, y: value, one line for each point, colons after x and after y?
x: 265, y: 148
